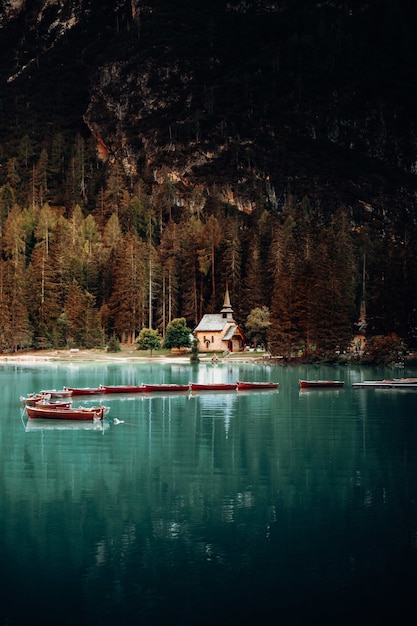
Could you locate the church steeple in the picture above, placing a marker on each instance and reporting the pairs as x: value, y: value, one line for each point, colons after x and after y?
x: 227, y: 311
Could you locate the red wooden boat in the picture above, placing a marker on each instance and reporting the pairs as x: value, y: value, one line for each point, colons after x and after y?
x: 213, y: 386
x: 122, y: 388
x: 84, y: 391
x: 245, y: 385
x: 165, y: 387
x: 312, y: 384
x: 80, y: 413
x: 57, y: 393
x: 57, y: 404
x: 34, y: 398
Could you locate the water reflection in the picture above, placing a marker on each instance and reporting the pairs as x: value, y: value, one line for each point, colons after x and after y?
x: 209, y: 507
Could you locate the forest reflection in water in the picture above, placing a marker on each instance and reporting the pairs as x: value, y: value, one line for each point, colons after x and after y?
x: 195, y: 508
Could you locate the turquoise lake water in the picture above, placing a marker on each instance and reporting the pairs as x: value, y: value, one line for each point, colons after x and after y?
x: 280, y: 506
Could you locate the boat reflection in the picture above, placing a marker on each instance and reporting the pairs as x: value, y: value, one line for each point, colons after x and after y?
x: 48, y: 424
x: 323, y: 391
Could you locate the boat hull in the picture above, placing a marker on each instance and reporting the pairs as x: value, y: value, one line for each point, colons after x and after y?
x: 258, y: 386
x: 322, y: 384
x: 122, y: 388
x: 78, y: 414
x: 213, y: 386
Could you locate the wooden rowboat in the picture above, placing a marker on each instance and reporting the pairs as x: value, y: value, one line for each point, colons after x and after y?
x: 77, y: 414
x: 213, y: 386
x: 45, y: 398
x: 122, y: 388
x: 34, y: 398
x: 57, y: 393
x: 165, y: 387
x: 328, y: 384
x: 245, y: 385
x: 395, y: 383
x: 84, y: 391
x: 57, y: 404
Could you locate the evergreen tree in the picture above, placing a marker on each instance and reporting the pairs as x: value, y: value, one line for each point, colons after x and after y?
x: 335, y: 285
x: 14, y: 235
x: 169, y: 261
x: 19, y: 316
x: 25, y: 152
x: 6, y: 332
x: 190, y: 277
x: 231, y: 258
x: 82, y: 318
x: 283, y: 337
x: 7, y: 200
x: 209, y: 240
x: 253, y: 291
x: 17, y: 333
x: 127, y: 302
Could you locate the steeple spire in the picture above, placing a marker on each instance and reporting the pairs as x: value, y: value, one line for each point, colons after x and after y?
x: 227, y: 311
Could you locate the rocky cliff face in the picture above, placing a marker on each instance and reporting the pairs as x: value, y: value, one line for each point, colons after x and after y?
x: 253, y: 97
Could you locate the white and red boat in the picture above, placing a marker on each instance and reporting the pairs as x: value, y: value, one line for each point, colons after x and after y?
x: 326, y: 384
x: 84, y: 391
x: 57, y: 393
x: 34, y: 398
x: 387, y: 383
x: 256, y: 385
x: 76, y: 414
x: 44, y: 398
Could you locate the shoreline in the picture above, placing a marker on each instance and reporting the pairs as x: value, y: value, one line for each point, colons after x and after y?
x: 124, y: 356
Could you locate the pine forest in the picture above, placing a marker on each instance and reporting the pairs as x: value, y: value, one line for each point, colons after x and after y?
x: 138, y: 180
x: 88, y: 253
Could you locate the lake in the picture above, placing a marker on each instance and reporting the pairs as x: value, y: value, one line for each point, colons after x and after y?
x: 286, y: 506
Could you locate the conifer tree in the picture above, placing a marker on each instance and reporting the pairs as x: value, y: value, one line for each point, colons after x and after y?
x: 253, y: 292
x: 231, y: 258
x: 283, y: 334
x: 82, y: 327
x: 16, y: 331
x: 7, y: 200
x: 14, y: 236
x: 209, y: 240
x: 169, y: 260
x: 190, y: 276
x: 335, y: 272
x: 19, y: 315
x: 128, y: 300
x: 6, y: 328
x: 25, y: 151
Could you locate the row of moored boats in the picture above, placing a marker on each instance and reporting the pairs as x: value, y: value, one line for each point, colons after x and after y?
x: 57, y: 403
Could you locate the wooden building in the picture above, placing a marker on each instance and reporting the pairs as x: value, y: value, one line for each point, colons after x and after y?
x: 218, y: 332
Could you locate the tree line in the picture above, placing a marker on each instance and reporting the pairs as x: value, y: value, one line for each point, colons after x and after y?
x: 88, y: 252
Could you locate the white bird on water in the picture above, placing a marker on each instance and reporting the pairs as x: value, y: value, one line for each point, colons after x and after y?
x: 116, y: 421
